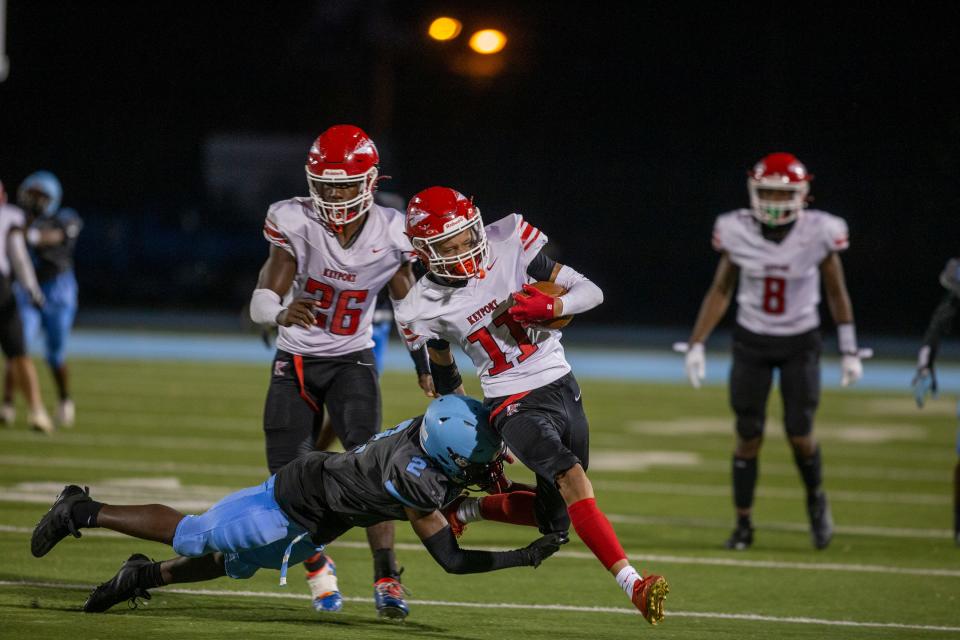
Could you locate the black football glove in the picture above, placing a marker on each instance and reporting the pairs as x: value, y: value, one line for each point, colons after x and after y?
x: 542, y: 548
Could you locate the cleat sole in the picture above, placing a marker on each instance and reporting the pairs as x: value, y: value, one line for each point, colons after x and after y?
x: 656, y: 596
x: 393, y: 614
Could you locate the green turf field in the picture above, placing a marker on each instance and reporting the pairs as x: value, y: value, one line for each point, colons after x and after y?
x: 186, y: 434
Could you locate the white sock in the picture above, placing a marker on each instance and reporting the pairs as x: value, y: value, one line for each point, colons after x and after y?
x: 626, y: 578
x: 469, y: 510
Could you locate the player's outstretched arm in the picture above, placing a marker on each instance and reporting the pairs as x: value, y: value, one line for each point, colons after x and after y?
x: 23, y: 266
x: 434, y: 531
x: 716, y: 301
x: 841, y: 309
x: 712, y: 309
x: 941, y: 322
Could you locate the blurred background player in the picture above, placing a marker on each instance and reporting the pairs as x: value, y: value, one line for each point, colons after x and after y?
x: 52, y: 234
x: 406, y: 473
x: 330, y: 254
x: 477, y: 295
x: 777, y: 250
x: 23, y: 375
x: 925, y: 380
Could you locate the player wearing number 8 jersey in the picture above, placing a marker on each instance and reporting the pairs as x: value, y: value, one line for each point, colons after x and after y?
x: 477, y: 294
x: 777, y: 251
x: 330, y: 255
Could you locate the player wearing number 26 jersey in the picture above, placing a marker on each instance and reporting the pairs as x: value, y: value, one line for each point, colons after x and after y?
x: 330, y: 255
x: 774, y: 254
x: 478, y: 295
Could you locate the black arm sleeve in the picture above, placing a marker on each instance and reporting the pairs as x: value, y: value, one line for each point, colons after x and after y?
x: 448, y: 554
x: 421, y: 361
x: 541, y: 267
x: 941, y: 322
x: 446, y: 377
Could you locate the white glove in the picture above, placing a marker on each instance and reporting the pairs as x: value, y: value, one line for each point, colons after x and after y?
x: 695, y: 364
x: 851, y: 369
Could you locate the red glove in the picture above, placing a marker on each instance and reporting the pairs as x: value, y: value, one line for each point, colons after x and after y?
x: 532, y: 306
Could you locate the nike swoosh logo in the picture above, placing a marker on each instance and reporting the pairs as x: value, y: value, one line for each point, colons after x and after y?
x: 366, y: 364
x: 379, y: 250
x: 576, y: 398
x: 490, y: 266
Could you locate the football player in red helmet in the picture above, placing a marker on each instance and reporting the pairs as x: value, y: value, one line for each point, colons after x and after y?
x: 779, y: 186
x: 777, y: 251
x: 478, y: 294
x: 342, y: 172
x: 330, y: 255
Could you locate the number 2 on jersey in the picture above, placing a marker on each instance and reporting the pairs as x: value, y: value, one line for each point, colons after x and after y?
x: 774, y: 295
x: 496, y: 354
x: 345, y: 319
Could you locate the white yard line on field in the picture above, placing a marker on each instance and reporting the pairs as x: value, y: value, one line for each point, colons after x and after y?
x: 255, y: 472
x: 745, y: 617
x: 646, y: 557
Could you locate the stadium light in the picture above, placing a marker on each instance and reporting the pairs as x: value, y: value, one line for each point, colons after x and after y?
x: 488, y: 41
x: 444, y: 28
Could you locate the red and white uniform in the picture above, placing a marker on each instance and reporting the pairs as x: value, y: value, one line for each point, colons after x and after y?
x: 11, y: 217
x: 509, y: 359
x: 345, y: 280
x: 779, y: 287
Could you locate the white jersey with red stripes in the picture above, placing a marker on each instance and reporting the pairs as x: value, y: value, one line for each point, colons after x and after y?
x: 509, y: 359
x: 345, y: 280
x: 779, y: 287
x: 11, y: 217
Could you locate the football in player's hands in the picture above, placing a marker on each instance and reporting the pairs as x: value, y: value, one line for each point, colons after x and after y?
x: 553, y: 290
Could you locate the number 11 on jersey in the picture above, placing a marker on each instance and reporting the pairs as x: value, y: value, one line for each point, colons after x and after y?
x: 496, y: 354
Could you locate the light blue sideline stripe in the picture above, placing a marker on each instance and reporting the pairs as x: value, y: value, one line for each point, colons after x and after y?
x: 588, y: 362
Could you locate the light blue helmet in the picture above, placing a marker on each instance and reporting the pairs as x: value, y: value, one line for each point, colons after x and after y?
x: 456, y: 434
x: 45, y: 182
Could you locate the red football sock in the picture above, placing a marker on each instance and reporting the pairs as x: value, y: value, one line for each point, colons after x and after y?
x: 512, y: 508
x: 596, y: 531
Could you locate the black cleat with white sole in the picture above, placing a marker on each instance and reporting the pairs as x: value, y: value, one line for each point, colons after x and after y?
x: 123, y: 586
x: 57, y: 523
x: 740, y: 539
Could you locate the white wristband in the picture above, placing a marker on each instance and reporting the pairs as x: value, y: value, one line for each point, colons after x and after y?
x: 582, y: 294
x: 32, y: 236
x: 847, y: 338
x: 265, y: 306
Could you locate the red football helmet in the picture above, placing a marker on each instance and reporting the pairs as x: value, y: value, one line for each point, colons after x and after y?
x: 344, y: 156
x: 436, y: 218
x: 778, y: 186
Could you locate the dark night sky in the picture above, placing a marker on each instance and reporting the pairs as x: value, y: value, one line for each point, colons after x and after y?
x: 621, y: 130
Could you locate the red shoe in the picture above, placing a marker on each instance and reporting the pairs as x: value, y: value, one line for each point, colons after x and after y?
x: 648, y: 596
x: 450, y: 513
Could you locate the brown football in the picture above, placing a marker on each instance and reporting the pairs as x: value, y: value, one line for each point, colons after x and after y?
x: 555, y: 290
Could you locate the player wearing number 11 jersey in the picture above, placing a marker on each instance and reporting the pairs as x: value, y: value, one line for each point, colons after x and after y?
x: 477, y: 294
x: 330, y: 255
x: 777, y: 250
